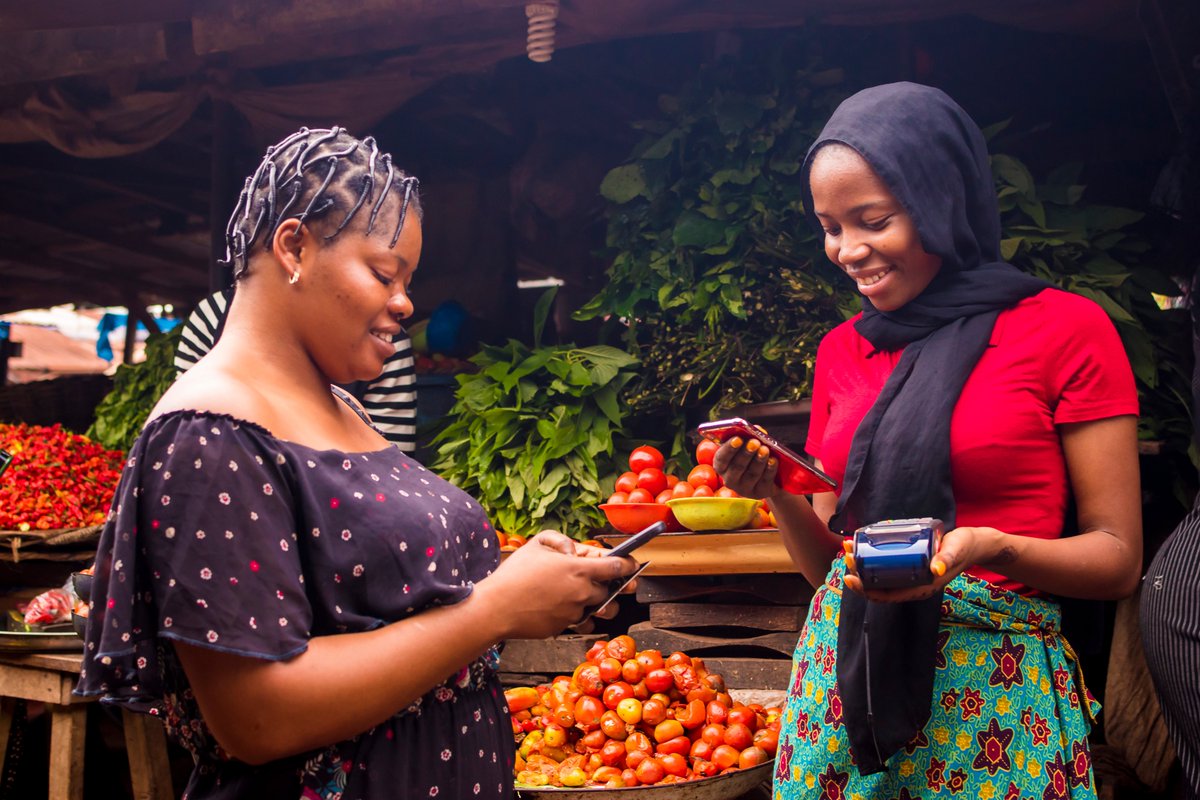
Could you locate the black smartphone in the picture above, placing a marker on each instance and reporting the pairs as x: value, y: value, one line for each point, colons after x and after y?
x: 637, y: 540
x: 795, y: 475
x: 5, y: 460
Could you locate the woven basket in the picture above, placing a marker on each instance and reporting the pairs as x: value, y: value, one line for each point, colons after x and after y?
x: 62, y: 544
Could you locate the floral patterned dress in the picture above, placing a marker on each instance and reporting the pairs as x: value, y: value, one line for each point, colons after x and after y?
x: 223, y: 536
x: 1010, y: 713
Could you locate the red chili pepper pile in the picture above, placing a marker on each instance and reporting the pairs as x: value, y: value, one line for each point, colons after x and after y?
x: 57, y: 479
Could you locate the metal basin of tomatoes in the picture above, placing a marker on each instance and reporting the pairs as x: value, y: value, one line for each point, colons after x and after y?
x: 729, y: 786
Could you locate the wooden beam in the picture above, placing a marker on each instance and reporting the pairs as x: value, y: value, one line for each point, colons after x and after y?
x: 60, y: 14
x: 34, y: 56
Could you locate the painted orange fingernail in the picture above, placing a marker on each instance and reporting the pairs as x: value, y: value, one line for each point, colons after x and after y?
x: 848, y: 546
x: 753, y: 445
x: 764, y: 451
x: 736, y: 441
x: 771, y: 462
x: 939, y: 568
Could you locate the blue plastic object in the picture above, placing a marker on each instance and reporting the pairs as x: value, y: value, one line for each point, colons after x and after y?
x: 447, y: 331
x: 895, y: 554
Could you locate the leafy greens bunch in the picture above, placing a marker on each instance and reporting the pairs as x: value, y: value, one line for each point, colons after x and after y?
x: 532, y: 433
x: 136, y: 388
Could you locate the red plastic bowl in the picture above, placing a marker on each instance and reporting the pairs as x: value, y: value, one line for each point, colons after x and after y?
x: 632, y: 517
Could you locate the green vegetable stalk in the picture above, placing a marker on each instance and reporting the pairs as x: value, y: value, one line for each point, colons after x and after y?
x: 136, y: 388
x: 532, y: 433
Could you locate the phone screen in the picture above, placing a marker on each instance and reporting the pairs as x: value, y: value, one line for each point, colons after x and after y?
x: 637, y: 540
x: 5, y: 460
x: 795, y: 475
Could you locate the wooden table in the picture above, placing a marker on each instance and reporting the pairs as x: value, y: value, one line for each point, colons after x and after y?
x: 49, y: 678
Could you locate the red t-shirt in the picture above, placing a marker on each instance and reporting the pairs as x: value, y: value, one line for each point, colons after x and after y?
x: 1053, y: 358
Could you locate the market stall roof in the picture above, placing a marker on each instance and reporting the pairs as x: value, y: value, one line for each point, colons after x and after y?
x: 107, y: 132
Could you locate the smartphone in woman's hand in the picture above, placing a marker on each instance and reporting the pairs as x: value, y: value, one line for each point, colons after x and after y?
x: 795, y: 475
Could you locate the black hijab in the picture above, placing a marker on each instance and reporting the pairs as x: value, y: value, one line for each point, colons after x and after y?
x: 934, y: 160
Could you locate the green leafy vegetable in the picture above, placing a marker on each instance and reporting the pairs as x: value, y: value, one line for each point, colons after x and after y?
x: 136, y: 388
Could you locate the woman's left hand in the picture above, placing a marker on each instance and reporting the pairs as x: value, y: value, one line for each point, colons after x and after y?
x: 961, y: 549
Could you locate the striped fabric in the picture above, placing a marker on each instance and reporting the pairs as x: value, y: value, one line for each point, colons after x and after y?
x: 1170, y: 623
x: 390, y: 400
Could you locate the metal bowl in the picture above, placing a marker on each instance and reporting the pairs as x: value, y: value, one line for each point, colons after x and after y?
x: 729, y: 786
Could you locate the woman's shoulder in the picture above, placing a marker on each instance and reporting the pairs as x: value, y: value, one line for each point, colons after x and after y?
x: 1057, y: 307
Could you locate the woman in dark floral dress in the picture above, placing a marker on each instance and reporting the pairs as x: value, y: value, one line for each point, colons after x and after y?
x: 970, y: 392
x: 311, y: 612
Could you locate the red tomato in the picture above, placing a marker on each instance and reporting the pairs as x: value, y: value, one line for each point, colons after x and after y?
x: 626, y: 483
x: 713, y: 733
x: 738, y: 736
x: 588, y: 711
x: 631, y: 671
x: 652, y: 480
x: 682, y: 489
x: 706, y: 450
x: 725, y: 491
x: 596, y: 650
x: 702, y: 750
x: 664, y: 496
x: 704, y: 475
x: 679, y: 745
x: 704, y: 768
x: 702, y: 491
x: 659, y: 680
x: 752, y: 757
x: 674, y: 763
x: 768, y: 740
x: 670, y: 728
x: 589, y: 681
x: 650, y: 771
x: 650, y: 659
x: 692, y: 715
x: 678, y: 657
x: 614, y: 693
x: 640, y: 496
x: 653, y: 711
x: 725, y: 756
x: 645, y: 457
x: 610, y: 669
x: 638, y: 742
x: 622, y: 648
x: 614, y: 728
x: 717, y: 713
x: 620, y: 497
x: 629, y: 777
x: 635, y: 757
x: 672, y: 480
x: 743, y: 715
x: 591, y: 742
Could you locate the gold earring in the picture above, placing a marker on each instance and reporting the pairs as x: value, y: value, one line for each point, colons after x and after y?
x: 294, y: 278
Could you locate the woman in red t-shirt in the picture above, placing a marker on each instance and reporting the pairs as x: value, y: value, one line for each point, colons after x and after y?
x: 969, y: 392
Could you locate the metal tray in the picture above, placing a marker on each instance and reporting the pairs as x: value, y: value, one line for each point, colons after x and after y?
x: 723, y: 787
x: 40, y: 642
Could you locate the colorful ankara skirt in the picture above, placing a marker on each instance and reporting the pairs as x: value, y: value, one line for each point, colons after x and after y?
x: 1010, y: 714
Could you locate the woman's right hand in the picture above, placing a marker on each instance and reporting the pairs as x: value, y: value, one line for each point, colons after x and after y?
x: 747, y: 467
x: 545, y: 584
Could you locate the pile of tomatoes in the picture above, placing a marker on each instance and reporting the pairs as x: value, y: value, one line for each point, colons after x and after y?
x: 632, y: 718
x: 646, y: 482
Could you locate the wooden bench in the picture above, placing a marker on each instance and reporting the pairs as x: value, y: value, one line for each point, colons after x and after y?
x: 50, y: 678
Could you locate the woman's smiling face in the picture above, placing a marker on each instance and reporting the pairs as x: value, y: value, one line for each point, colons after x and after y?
x: 868, y: 233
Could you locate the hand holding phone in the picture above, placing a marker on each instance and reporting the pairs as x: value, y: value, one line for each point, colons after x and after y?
x: 795, y: 475
x: 623, y: 549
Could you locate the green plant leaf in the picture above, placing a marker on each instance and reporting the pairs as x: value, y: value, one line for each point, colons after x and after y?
x: 624, y: 183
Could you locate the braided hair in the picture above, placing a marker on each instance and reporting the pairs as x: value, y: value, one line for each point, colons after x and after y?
x: 321, y: 177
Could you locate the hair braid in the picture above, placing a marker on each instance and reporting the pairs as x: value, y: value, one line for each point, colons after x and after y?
x: 319, y: 171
